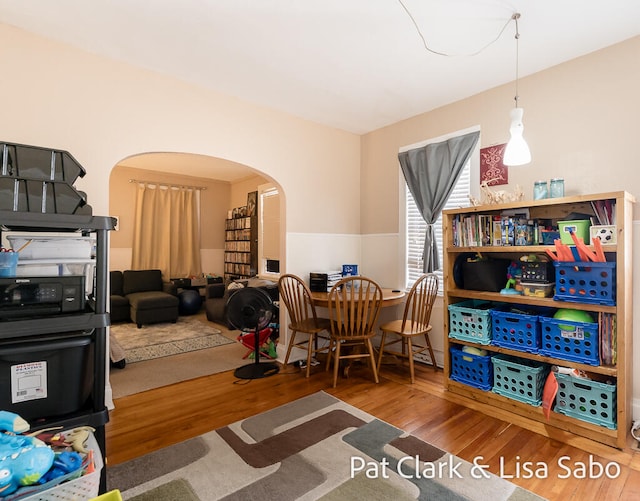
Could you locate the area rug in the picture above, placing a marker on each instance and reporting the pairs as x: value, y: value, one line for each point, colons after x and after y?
x: 317, y: 447
x: 176, y: 490
x: 166, y: 339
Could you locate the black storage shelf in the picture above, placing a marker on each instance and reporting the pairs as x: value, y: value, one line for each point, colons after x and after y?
x: 10, y: 329
x: 94, y: 319
x: 35, y: 221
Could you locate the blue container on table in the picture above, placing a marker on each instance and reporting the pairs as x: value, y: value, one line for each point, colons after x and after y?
x: 349, y: 270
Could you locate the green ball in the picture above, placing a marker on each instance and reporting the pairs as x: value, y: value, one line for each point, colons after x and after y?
x: 572, y: 316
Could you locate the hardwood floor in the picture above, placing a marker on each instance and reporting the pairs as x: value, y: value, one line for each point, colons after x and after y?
x: 157, y: 418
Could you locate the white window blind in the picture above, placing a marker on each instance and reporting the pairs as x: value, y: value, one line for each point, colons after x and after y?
x: 416, y: 227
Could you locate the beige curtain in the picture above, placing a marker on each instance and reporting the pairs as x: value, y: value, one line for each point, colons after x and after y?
x: 166, y: 233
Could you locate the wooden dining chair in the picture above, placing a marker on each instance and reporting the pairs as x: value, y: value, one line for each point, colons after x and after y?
x: 296, y: 296
x: 354, y: 306
x: 414, y: 324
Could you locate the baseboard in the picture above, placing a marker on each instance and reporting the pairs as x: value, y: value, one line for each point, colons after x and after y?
x: 424, y: 358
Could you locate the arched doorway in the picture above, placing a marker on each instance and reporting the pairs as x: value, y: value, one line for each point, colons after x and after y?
x: 225, y: 185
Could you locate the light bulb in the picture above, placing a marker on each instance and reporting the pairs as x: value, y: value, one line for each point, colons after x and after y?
x: 517, y: 150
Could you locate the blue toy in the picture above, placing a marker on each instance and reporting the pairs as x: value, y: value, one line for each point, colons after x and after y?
x: 12, y: 422
x: 64, y: 463
x: 23, y: 459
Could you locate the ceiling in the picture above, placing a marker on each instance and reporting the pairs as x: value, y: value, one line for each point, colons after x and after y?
x: 356, y: 65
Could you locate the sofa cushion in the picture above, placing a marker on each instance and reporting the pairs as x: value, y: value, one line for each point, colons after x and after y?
x: 117, y: 300
x: 115, y: 281
x: 151, y: 300
x: 141, y: 281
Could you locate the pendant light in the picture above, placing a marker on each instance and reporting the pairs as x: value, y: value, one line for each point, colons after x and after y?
x: 517, y: 150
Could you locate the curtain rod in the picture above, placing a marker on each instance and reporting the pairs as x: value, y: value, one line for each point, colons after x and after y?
x: 168, y: 185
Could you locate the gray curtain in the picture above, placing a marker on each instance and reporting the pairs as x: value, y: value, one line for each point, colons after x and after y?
x: 432, y: 172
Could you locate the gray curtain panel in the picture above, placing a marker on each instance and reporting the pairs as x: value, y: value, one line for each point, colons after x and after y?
x: 432, y: 172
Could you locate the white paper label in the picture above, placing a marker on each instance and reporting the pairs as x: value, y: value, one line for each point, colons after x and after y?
x: 576, y: 334
x: 28, y: 382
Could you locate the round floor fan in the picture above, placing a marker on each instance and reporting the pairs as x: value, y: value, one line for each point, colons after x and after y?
x: 251, y: 308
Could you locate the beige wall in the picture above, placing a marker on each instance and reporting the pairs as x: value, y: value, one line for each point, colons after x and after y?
x: 240, y: 189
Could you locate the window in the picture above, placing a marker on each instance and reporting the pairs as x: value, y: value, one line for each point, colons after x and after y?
x: 416, y: 226
x: 413, y: 224
x: 269, y: 230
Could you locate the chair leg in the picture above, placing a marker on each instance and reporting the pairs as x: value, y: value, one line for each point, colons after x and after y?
x: 433, y: 358
x: 410, y: 350
x: 372, y: 360
x: 291, y: 341
x: 309, y: 352
x: 336, y: 364
x: 380, y: 354
x: 329, y: 355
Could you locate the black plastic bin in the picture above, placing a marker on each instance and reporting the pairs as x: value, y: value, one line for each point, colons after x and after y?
x: 47, y: 376
x: 35, y: 162
x: 47, y: 197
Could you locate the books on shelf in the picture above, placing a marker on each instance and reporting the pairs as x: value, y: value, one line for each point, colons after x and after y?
x: 605, y: 212
x: 478, y: 230
x: 608, y: 338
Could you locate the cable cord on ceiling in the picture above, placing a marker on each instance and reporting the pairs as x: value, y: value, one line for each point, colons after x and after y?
x: 429, y: 49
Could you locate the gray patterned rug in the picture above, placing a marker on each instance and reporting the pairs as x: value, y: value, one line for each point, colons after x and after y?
x: 317, y: 447
x: 166, y: 339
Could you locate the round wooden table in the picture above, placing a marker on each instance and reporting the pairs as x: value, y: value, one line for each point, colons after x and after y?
x: 390, y: 297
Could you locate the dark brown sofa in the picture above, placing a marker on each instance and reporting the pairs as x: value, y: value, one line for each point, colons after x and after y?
x: 148, y: 299
x: 119, y: 304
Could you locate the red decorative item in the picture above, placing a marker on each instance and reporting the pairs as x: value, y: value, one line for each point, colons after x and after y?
x: 492, y: 170
x: 248, y: 339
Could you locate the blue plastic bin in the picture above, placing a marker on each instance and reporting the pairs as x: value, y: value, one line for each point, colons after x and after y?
x: 590, y: 401
x: 593, y: 283
x: 471, y: 321
x: 568, y: 340
x: 519, y: 379
x: 517, y: 328
x: 470, y: 369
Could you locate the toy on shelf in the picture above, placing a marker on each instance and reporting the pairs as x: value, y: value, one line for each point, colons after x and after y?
x: 35, y: 461
x: 23, y: 459
x: 12, y: 422
x: 513, y: 274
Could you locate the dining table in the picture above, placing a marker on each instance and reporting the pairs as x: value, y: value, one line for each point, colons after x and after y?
x: 390, y: 297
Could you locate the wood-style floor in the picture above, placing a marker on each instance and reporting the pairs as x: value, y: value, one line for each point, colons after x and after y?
x: 157, y: 418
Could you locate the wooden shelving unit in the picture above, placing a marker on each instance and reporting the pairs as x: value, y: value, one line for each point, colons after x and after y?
x: 559, y: 426
x: 241, y: 247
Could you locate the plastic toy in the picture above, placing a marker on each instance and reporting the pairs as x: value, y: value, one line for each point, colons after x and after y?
x: 23, y: 461
x: 513, y: 272
x: 63, y: 463
x: 12, y: 422
x: 77, y: 438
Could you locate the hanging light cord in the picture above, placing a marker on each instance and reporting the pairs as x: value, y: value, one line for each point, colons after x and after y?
x: 429, y: 49
x: 515, y: 18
